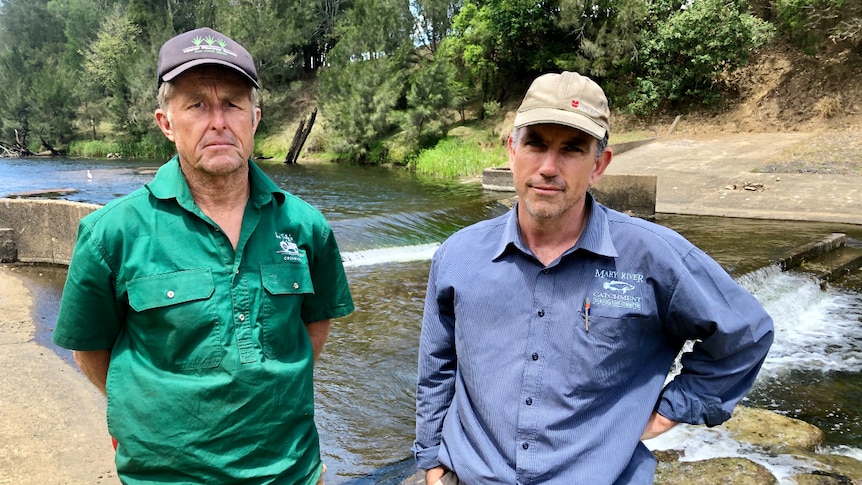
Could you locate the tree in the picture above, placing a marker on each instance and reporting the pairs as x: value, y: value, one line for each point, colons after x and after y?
x: 433, y: 19
x: 31, y: 48
x: 107, y: 61
x: 688, y: 52
x: 364, y: 83
x: 810, y: 22
x: 429, y: 99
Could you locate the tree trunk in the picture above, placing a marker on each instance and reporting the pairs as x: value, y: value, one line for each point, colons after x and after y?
x: 299, y: 138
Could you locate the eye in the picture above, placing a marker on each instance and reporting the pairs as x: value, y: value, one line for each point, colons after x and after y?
x: 533, y: 142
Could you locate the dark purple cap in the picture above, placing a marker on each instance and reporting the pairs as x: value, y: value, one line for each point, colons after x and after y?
x: 203, y: 46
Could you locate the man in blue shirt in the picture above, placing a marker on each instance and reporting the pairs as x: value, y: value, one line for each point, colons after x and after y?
x: 549, y: 332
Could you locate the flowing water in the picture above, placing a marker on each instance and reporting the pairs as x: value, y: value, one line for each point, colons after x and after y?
x: 389, y: 222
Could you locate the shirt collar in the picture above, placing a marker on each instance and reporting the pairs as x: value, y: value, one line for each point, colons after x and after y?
x: 596, y: 237
x: 169, y: 183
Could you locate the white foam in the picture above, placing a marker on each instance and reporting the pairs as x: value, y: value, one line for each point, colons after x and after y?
x: 814, y: 329
x: 702, y: 443
x: 399, y: 254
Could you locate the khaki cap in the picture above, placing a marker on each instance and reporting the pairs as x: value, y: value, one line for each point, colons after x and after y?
x: 566, y: 99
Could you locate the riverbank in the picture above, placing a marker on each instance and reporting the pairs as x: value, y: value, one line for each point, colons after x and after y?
x: 51, y: 419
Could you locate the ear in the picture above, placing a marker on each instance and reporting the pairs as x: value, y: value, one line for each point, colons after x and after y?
x: 165, y: 124
x: 257, y: 114
x: 601, y: 165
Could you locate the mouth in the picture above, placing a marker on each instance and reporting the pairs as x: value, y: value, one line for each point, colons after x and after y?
x: 545, y: 189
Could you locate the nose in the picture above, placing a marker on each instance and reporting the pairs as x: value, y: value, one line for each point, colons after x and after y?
x: 217, y: 117
x: 549, y: 164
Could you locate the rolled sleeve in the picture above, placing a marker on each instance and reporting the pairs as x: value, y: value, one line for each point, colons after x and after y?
x: 732, y: 334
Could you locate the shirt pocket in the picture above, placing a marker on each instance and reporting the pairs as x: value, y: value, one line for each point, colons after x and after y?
x: 175, y: 320
x: 609, y: 353
x: 283, y: 333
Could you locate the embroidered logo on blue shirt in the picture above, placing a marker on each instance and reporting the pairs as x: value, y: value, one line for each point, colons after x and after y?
x: 616, y: 286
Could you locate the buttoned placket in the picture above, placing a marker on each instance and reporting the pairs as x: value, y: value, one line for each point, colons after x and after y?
x: 240, y: 292
x: 531, y: 383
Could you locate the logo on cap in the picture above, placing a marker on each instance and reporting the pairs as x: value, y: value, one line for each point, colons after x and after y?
x: 205, y: 45
x: 584, y: 107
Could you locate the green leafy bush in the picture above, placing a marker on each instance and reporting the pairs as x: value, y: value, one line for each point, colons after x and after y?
x: 687, y: 53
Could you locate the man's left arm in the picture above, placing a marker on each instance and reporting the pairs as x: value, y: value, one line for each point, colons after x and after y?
x: 318, y: 332
x: 732, y: 334
x: 331, y: 297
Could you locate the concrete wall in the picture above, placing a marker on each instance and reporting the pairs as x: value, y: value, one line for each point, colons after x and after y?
x: 43, y: 231
x: 633, y: 194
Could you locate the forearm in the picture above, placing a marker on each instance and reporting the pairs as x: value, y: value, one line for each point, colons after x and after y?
x: 433, y: 475
x: 656, y: 426
x: 94, y: 364
x: 318, y: 332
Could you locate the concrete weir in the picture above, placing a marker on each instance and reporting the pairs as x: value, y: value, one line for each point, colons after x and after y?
x: 40, y: 231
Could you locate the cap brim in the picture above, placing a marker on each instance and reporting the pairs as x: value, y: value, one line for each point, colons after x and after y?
x: 540, y: 116
x: 173, y: 73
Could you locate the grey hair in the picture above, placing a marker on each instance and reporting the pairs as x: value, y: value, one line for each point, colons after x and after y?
x: 601, y: 145
x: 166, y: 92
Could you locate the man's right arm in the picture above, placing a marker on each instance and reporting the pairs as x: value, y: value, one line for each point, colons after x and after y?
x: 436, y: 379
x: 94, y: 364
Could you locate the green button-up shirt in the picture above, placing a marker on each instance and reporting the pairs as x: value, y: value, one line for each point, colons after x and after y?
x: 210, y: 379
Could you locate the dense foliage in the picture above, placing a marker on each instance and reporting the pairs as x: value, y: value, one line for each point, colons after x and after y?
x: 406, y: 70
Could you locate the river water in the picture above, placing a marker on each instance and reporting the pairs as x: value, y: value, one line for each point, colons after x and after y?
x: 388, y: 223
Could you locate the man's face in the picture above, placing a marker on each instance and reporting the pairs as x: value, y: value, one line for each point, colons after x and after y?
x: 553, y: 166
x: 211, y: 119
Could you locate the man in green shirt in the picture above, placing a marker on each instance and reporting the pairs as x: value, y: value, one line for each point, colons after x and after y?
x: 199, y: 302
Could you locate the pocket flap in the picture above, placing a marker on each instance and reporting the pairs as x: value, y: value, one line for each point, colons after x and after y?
x: 161, y: 290
x: 286, y: 279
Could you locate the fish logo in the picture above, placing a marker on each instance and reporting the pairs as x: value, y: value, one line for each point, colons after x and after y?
x: 620, y: 286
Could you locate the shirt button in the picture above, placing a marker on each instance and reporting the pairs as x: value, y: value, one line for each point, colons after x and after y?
x: 529, y: 401
x: 170, y: 294
x: 525, y: 445
x: 295, y: 285
x: 241, y: 317
x: 546, y: 271
x: 535, y: 356
x: 541, y: 313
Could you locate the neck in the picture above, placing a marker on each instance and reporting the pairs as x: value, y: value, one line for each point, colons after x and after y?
x: 548, y: 239
x: 219, y: 193
x: 222, y: 199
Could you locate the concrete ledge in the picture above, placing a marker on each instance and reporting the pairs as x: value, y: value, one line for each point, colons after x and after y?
x: 812, y: 250
x: 44, y: 231
x: 632, y: 194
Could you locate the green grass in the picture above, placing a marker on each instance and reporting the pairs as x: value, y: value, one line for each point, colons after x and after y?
x: 149, y: 147
x: 93, y: 148
x: 454, y: 157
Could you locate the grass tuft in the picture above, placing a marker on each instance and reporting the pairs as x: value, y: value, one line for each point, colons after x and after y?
x: 453, y: 158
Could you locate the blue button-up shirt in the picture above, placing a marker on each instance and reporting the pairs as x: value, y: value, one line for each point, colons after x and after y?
x: 548, y: 374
